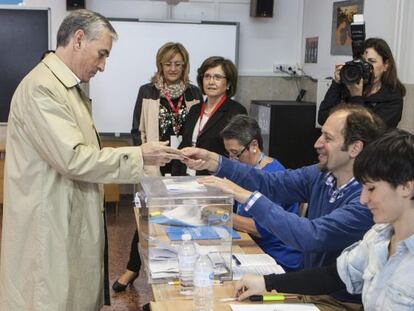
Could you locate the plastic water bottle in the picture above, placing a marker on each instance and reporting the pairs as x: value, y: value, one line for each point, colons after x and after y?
x: 203, y: 284
x: 187, y: 256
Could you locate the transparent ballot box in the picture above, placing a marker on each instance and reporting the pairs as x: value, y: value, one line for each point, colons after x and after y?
x: 171, y: 206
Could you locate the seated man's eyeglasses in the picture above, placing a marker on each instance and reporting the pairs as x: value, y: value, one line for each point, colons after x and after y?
x: 216, y: 77
x: 173, y: 64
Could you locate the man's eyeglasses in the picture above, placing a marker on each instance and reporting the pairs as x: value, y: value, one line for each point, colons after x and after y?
x: 178, y: 65
x: 236, y: 156
x: 216, y: 77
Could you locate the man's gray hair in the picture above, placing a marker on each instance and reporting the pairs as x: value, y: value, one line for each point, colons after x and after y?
x: 91, y: 23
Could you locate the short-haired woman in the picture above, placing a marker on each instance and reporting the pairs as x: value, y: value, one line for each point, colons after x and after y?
x: 243, y: 141
x: 217, y: 78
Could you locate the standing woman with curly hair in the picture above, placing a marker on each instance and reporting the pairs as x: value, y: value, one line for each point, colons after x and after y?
x: 162, y: 105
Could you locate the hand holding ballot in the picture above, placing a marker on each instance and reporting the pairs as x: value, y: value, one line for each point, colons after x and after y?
x: 200, y: 159
x: 249, y: 285
x: 158, y: 153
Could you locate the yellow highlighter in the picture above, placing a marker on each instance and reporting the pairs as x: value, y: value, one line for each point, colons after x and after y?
x: 267, y: 298
x: 154, y: 214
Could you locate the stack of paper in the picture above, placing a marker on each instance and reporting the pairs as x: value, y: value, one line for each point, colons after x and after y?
x: 275, y: 307
x: 163, y: 261
x: 180, y: 186
x: 164, y: 269
x: 201, y: 232
x: 258, y: 264
x: 160, y: 253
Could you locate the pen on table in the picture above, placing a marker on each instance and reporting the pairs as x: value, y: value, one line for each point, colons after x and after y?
x: 236, y: 260
x: 257, y: 298
x: 177, y: 282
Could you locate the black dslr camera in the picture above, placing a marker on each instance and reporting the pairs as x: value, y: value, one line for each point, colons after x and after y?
x: 358, y: 68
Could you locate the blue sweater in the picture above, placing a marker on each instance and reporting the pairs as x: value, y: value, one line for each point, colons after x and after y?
x: 328, y: 228
x: 288, y: 257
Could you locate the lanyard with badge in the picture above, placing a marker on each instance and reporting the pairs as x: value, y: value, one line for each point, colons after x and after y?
x: 209, y: 115
x: 176, y: 139
x: 201, y: 125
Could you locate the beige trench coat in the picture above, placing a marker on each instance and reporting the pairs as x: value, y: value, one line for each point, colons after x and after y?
x: 53, y: 232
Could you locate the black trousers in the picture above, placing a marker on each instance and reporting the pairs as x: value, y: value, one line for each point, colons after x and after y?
x: 134, y: 263
x: 107, y: 296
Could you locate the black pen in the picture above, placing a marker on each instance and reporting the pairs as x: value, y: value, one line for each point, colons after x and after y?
x: 257, y: 298
x: 236, y: 260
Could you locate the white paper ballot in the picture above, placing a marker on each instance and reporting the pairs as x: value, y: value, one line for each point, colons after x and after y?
x: 191, y: 215
x: 174, y: 186
x: 258, y: 264
x: 175, y: 141
x: 275, y: 307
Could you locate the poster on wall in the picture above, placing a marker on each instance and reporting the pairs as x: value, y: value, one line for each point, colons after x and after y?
x: 342, y: 15
x: 311, y: 50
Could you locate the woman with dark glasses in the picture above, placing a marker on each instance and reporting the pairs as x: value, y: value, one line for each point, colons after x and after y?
x: 243, y: 141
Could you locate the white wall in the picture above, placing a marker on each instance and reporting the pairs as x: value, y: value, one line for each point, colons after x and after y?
x: 263, y: 41
x: 405, y: 40
x: 267, y: 41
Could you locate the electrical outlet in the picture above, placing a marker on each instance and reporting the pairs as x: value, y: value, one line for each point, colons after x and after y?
x: 285, y: 68
x: 280, y: 67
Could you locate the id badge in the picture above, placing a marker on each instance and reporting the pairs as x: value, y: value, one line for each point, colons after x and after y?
x: 175, y: 141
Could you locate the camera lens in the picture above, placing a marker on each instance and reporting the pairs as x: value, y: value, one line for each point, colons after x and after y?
x: 351, y: 73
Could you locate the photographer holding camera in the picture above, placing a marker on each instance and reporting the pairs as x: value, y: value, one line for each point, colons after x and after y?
x: 369, y: 80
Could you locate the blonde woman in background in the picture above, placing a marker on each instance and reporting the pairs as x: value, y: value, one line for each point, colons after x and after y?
x: 159, y: 115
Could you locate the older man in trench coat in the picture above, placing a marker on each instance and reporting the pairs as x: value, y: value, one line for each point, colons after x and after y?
x: 53, y: 225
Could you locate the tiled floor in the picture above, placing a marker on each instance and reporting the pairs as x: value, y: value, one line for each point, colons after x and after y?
x: 120, y: 231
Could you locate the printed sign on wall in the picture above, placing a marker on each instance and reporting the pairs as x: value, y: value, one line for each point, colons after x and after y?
x: 311, y: 50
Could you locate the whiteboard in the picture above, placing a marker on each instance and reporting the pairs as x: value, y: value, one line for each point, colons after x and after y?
x: 132, y: 63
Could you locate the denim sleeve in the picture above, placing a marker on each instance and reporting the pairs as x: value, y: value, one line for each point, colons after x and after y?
x: 352, y: 263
